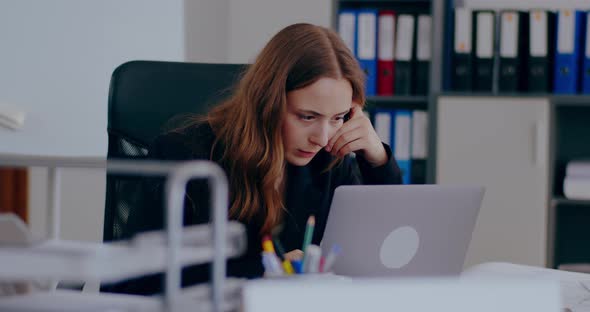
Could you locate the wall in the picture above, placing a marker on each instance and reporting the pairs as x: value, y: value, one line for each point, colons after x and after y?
x: 56, y: 59
x: 207, y: 30
x: 254, y: 22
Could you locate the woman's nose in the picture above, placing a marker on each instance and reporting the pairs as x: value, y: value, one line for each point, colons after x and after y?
x: 320, y: 136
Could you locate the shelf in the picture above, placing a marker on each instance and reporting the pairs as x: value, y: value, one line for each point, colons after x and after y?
x: 523, y: 5
x: 581, y: 100
x: 558, y: 99
x: 573, y: 202
x: 400, y: 6
x: 110, y: 262
x: 488, y: 94
x: 386, y: 1
x: 398, y: 102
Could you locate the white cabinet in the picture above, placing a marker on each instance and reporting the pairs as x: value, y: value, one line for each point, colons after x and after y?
x: 501, y: 143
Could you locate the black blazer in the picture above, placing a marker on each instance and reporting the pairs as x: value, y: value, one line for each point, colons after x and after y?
x: 309, y: 191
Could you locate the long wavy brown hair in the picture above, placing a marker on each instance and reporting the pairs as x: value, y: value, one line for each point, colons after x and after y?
x: 249, y: 123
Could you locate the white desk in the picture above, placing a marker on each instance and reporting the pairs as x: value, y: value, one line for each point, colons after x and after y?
x: 574, y: 287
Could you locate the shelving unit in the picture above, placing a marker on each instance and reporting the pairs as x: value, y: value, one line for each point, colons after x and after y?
x: 571, y: 218
x: 566, y: 138
x: 557, y: 134
x: 408, y: 102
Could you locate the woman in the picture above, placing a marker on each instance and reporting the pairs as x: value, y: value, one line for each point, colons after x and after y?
x: 285, y: 140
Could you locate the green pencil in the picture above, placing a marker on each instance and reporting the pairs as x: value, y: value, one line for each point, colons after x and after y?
x: 308, y: 236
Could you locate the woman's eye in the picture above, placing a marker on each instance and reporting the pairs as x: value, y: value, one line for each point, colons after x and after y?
x: 306, y: 117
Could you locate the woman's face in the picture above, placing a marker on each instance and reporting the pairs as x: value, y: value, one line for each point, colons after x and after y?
x: 313, y: 116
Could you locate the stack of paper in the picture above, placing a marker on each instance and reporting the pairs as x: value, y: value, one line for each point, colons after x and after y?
x: 576, y: 184
x: 574, y: 287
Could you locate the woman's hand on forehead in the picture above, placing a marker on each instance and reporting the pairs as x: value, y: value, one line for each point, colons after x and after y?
x: 358, y: 135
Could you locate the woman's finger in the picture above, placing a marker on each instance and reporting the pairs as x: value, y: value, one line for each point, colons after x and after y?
x: 346, y: 127
x: 358, y: 133
x: 294, y: 255
x: 350, y: 147
x: 356, y: 111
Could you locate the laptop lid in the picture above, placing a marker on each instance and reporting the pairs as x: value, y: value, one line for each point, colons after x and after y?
x: 401, y: 230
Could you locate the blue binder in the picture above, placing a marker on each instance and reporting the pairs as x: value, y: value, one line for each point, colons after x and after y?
x: 568, y: 51
x: 402, y: 142
x: 347, y: 28
x: 366, y: 47
x: 394, y: 127
x: 586, y: 65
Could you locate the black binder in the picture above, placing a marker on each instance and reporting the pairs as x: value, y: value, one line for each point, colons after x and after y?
x: 404, y: 54
x: 484, y: 25
x: 513, y: 68
x: 462, y: 65
x: 540, y: 58
x: 423, y: 40
x: 419, y: 151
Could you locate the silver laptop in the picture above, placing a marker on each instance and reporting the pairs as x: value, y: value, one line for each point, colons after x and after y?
x: 401, y: 230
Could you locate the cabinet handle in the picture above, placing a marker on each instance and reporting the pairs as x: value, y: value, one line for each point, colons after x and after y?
x: 538, y: 150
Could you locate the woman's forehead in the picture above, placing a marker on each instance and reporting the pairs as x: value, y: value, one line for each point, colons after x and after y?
x: 327, y: 96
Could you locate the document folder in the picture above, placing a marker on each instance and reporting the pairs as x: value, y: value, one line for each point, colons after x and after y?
x: 423, y: 54
x: 540, y: 56
x: 484, y: 38
x: 462, y: 66
x: 513, y: 46
x: 347, y: 26
x: 570, y: 34
x: 404, y: 54
x: 385, y: 51
x: 367, y: 46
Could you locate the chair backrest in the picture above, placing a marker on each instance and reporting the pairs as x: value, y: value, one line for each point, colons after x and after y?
x: 143, y: 97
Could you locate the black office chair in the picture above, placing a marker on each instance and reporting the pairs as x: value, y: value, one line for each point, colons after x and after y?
x: 144, y: 96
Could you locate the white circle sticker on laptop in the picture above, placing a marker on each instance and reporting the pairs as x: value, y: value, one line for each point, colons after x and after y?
x: 399, y: 247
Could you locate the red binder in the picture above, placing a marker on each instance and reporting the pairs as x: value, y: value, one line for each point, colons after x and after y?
x: 385, y: 52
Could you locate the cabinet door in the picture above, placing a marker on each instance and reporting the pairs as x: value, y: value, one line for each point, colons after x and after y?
x: 501, y: 143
